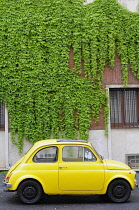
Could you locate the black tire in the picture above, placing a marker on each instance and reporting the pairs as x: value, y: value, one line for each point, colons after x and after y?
x: 30, y: 192
x: 119, y: 191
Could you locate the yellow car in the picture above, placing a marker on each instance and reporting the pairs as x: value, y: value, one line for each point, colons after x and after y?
x: 68, y: 167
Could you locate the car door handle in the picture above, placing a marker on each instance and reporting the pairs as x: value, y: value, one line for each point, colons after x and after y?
x: 62, y: 167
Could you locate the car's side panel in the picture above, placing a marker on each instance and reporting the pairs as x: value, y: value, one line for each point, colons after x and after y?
x: 45, y: 173
x: 111, y: 175
x: 80, y: 176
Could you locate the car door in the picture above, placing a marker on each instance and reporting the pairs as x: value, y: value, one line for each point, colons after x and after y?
x: 80, y: 169
x: 45, y: 167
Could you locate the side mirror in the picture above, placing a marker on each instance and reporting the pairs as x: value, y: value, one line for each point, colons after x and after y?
x: 101, y: 157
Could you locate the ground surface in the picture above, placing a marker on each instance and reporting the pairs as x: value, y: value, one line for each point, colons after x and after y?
x: 10, y: 201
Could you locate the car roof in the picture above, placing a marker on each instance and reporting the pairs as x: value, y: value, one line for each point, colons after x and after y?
x: 58, y: 142
x: 47, y: 142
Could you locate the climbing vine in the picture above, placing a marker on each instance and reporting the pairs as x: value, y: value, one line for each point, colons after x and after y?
x: 44, y: 96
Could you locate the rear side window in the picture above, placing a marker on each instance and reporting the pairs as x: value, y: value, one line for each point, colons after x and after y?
x: 46, y: 155
x: 77, y: 154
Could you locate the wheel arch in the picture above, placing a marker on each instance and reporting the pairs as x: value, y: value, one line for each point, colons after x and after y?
x: 33, y: 179
x: 30, y: 191
x: 25, y: 178
x: 114, y: 178
x: 118, y: 179
x: 118, y: 190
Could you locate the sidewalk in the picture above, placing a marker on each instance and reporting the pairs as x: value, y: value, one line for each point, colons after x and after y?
x: 2, y: 176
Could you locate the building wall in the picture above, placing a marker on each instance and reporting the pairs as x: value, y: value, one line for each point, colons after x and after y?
x: 113, y: 76
x: 100, y: 142
x: 4, y: 141
x: 117, y: 144
x: 131, y: 5
x: 14, y: 155
x: 124, y: 142
x: 2, y: 151
x: 119, y: 141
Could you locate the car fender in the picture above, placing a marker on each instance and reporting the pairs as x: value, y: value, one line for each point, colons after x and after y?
x: 119, y: 176
x: 20, y: 179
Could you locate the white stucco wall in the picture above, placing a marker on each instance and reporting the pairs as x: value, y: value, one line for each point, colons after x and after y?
x: 2, y: 150
x: 99, y: 142
x: 132, y: 5
x: 4, y: 161
x: 123, y: 142
x: 14, y: 155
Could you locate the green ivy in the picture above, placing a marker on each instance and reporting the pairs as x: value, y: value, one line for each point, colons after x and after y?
x: 43, y: 95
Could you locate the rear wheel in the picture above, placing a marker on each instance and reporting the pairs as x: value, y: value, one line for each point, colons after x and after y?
x: 119, y: 191
x: 30, y: 192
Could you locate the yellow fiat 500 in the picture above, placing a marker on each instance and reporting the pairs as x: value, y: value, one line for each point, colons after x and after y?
x: 68, y: 167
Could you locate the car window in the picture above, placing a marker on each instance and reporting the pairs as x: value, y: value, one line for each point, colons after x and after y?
x: 77, y: 154
x: 46, y: 155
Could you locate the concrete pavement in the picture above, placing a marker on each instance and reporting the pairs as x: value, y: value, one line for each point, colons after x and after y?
x: 2, y: 176
x: 95, y: 202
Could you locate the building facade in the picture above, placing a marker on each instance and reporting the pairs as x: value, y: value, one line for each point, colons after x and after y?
x: 122, y: 142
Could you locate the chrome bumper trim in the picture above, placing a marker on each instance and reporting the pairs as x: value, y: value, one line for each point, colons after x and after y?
x: 7, y: 185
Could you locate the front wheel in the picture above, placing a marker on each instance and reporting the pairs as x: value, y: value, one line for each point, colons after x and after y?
x: 30, y: 192
x: 119, y: 191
